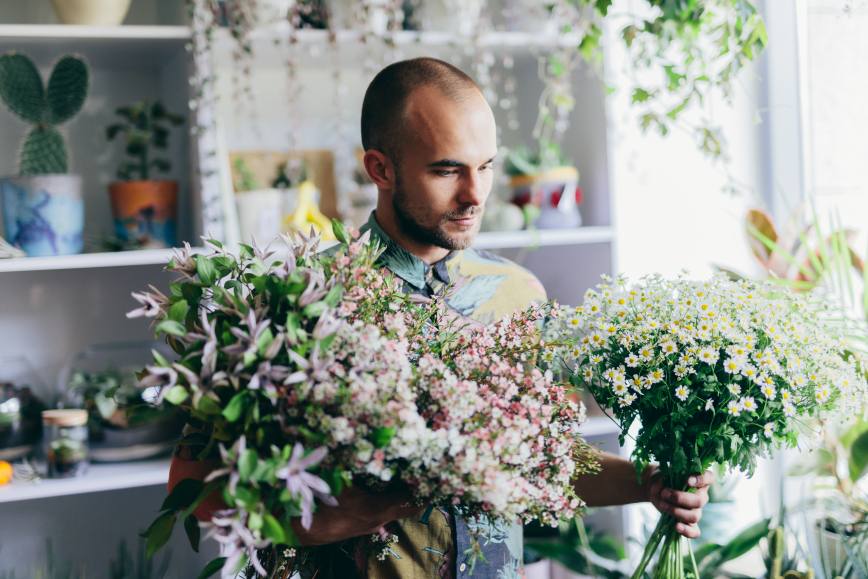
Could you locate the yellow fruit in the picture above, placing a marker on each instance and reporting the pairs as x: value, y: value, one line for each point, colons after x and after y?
x: 5, y: 472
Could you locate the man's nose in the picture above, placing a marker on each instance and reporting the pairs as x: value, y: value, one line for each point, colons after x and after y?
x: 472, y: 191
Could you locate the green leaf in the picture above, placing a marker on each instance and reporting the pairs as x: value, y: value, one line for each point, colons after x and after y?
x: 191, y: 527
x: 236, y: 406
x: 178, y: 311
x: 859, y: 457
x: 176, y: 395
x: 315, y: 309
x: 741, y: 544
x: 172, y: 328
x: 383, y: 436
x: 183, y: 494
x: 334, y: 296
x: 159, y: 532
x: 212, y: 567
x: 21, y: 87
x: 67, y: 89
x: 205, y: 270
x: 254, y: 521
x: 264, y: 342
x: 340, y: 231
x: 208, y: 405
x: 247, y: 463
x: 273, y: 530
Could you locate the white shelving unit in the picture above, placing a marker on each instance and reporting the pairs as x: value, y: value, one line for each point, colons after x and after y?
x: 56, y: 306
x: 98, y: 478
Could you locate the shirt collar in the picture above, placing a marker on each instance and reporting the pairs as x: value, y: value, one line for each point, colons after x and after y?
x: 404, y: 264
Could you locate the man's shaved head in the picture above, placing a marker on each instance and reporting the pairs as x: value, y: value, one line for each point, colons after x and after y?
x: 386, y: 98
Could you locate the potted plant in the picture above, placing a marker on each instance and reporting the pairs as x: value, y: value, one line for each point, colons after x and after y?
x: 92, y: 12
x: 145, y: 209
x: 125, y: 421
x: 43, y: 209
x: 546, y: 181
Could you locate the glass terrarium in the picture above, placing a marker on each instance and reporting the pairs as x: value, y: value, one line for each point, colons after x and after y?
x: 125, y: 421
x: 20, y: 408
x: 65, y: 447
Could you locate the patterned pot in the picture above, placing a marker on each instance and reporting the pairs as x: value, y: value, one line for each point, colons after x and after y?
x: 145, y: 211
x: 43, y: 214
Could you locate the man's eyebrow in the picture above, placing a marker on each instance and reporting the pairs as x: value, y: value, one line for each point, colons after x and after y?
x: 453, y: 163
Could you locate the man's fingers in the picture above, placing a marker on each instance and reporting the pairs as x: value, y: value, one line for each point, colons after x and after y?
x: 701, y: 480
x: 682, y: 499
x: 686, y: 516
x: 689, y: 531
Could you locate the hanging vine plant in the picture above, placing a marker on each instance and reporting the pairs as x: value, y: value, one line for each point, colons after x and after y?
x: 682, y: 51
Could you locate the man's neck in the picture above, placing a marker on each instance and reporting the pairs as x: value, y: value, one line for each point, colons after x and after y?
x: 428, y: 253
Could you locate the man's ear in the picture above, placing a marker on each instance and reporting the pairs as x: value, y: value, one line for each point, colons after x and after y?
x: 380, y: 169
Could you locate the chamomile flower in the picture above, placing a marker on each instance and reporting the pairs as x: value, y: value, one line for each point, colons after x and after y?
x: 769, y: 429
x: 768, y: 391
x: 734, y: 388
x: 748, y: 404
x: 733, y: 408
x: 682, y: 392
x: 619, y: 388
x: 632, y: 360
x: 708, y: 355
x: 822, y: 394
x: 668, y: 347
x: 733, y: 365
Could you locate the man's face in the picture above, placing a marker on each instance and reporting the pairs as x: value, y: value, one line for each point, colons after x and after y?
x: 444, y: 170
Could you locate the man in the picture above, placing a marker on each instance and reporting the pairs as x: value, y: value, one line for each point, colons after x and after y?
x: 430, y: 143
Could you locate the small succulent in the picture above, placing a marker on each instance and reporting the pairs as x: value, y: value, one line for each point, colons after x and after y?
x: 145, y: 124
x: 21, y: 88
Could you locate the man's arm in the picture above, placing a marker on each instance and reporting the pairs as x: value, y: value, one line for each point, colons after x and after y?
x: 358, y: 512
x: 617, y: 484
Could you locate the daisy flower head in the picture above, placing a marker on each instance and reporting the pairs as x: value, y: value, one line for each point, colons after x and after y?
x: 769, y: 429
x: 748, y: 404
x: 682, y: 392
x: 733, y: 408
x: 708, y: 355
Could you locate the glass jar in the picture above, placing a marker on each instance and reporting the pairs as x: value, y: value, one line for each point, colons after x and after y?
x: 65, y: 448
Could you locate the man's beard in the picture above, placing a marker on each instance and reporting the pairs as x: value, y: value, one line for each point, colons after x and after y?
x: 411, y: 226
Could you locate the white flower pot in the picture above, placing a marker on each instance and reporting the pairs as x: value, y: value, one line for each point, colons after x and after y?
x: 92, y: 12
x: 260, y: 214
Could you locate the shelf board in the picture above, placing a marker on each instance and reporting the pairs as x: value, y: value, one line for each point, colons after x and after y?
x: 88, y: 260
x: 542, y: 238
x: 103, y: 46
x: 99, y: 477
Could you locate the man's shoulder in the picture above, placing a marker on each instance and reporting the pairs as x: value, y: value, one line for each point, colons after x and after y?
x: 489, y: 286
x: 482, y: 262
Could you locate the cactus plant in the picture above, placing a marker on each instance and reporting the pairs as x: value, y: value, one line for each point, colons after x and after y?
x: 43, y: 151
x: 145, y: 124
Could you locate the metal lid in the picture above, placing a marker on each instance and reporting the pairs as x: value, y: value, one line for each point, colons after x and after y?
x: 65, y: 417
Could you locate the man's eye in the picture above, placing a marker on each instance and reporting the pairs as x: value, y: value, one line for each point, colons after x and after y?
x: 445, y: 172
x: 488, y: 167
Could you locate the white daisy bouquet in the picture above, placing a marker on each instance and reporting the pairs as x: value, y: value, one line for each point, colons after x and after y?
x: 716, y: 371
x: 302, y: 374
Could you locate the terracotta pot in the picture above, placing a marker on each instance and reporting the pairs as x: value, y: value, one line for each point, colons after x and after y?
x: 43, y: 214
x: 92, y: 12
x: 145, y: 211
x: 181, y: 469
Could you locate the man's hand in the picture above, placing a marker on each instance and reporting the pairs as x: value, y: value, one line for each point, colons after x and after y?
x: 684, y: 507
x: 357, y: 513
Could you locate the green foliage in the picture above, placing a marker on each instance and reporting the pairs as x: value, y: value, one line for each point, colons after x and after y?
x: 22, y: 89
x: 681, y: 51
x: 144, y: 124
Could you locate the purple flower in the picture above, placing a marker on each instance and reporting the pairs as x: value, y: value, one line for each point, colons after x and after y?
x: 305, y: 485
x: 229, y: 529
x: 153, y: 304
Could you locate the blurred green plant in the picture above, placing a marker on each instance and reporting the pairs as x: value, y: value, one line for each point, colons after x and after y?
x: 144, y: 124
x: 45, y: 107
